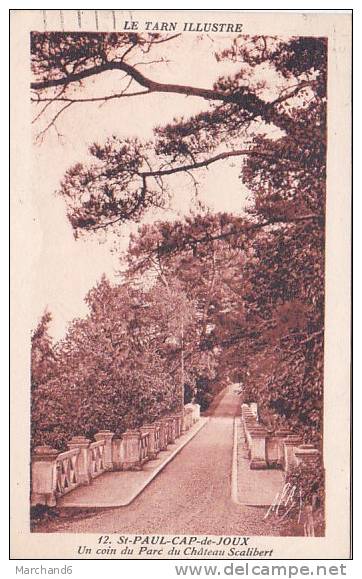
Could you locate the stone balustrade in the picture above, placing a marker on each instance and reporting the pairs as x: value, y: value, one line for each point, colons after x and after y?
x: 54, y: 473
x: 278, y: 449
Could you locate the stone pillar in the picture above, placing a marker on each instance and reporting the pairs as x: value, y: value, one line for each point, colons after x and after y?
x: 117, y: 454
x: 289, y: 445
x: 306, y: 454
x: 178, y: 417
x: 271, y: 450
x: 184, y: 422
x: 175, y: 426
x: 254, y: 408
x: 190, y: 417
x: 107, y: 436
x: 171, y: 430
x: 43, y: 476
x: 257, y: 450
x: 150, y: 429
x: 157, y: 436
x: 281, y: 435
x: 131, y: 450
x: 163, y: 434
x: 82, y: 443
x: 197, y: 411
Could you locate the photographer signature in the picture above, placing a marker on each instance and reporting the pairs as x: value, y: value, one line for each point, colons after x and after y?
x: 284, y: 501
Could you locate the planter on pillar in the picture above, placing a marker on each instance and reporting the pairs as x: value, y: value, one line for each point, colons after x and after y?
x: 43, y: 476
x: 82, y: 443
x: 130, y: 452
x: 289, y: 446
x: 257, y: 449
x: 107, y: 436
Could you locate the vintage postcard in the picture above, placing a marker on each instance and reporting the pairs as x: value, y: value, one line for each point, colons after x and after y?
x: 180, y: 284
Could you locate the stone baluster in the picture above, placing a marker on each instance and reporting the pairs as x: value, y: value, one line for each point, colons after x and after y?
x: 83, y: 444
x: 107, y: 436
x: 157, y: 436
x: 43, y: 476
x: 249, y: 421
x: 150, y: 429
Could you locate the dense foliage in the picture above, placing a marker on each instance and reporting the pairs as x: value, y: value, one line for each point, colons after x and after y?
x: 250, y: 289
x: 114, y: 369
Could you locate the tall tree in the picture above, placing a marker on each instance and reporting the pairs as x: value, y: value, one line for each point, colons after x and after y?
x: 271, y: 115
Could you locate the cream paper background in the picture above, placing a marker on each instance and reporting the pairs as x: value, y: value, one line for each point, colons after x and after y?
x: 337, y: 27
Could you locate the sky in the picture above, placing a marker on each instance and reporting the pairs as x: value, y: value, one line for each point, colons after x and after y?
x: 65, y: 268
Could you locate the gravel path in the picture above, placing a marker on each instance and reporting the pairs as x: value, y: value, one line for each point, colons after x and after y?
x: 190, y: 496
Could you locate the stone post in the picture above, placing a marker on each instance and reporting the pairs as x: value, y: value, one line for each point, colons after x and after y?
x: 271, y: 450
x: 289, y: 445
x: 43, y: 476
x: 281, y: 435
x: 175, y: 426
x: 249, y: 422
x: 163, y: 434
x: 190, y: 414
x: 107, y: 436
x: 306, y: 454
x: 157, y: 427
x: 131, y: 450
x: 178, y: 417
x: 184, y: 422
x: 117, y: 454
x: 82, y: 443
x: 150, y: 429
x: 171, y: 429
x: 257, y: 449
x: 197, y: 411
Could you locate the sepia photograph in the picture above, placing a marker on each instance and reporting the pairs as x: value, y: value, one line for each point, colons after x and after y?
x: 176, y: 211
